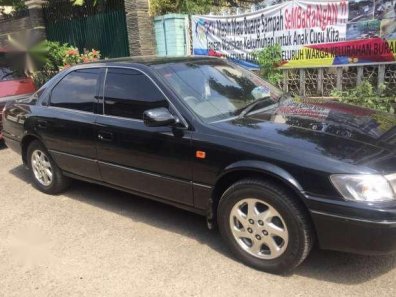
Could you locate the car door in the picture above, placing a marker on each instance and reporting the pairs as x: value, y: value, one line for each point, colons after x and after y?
x: 67, y: 124
x: 155, y: 161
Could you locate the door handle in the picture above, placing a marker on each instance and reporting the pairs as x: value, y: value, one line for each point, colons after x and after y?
x: 105, y: 136
x: 42, y: 124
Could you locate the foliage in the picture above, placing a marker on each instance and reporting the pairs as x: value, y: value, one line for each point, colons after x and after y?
x: 269, y: 59
x: 54, y: 56
x: 16, y: 4
x: 366, y: 95
x: 81, y: 2
x: 161, y: 7
x: 48, y: 56
x: 195, y: 6
x: 78, y: 2
x: 73, y: 57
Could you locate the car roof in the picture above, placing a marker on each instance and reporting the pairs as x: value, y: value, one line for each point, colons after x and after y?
x: 148, y: 60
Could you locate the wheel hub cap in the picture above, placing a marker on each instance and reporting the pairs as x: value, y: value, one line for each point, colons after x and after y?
x: 259, y: 229
x: 42, y: 168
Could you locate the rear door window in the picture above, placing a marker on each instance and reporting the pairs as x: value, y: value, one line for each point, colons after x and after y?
x: 128, y: 93
x: 77, y: 90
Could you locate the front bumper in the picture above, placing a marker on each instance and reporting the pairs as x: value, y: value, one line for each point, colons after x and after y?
x: 353, y: 227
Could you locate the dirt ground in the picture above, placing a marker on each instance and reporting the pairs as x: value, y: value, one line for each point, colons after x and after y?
x: 94, y: 241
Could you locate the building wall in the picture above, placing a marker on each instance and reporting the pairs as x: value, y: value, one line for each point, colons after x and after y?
x: 30, y: 25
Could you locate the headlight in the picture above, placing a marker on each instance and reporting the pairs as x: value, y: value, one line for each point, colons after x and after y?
x: 369, y: 188
x: 392, y: 179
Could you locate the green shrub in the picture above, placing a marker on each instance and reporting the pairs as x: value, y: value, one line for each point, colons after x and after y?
x: 269, y: 59
x: 54, y: 53
x: 52, y: 57
x: 48, y: 56
x: 367, y: 96
x: 161, y: 7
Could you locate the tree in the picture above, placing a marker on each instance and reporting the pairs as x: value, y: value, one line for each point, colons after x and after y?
x: 16, y: 4
x: 161, y: 7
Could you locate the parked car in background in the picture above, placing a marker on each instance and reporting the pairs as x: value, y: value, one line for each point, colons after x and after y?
x: 276, y: 173
x: 13, y: 86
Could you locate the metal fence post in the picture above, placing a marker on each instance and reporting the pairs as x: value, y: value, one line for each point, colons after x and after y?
x: 381, y: 75
x: 302, y: 82
x: 339, y: 79
x: 320, y: 81
x: 285, y: 81
x: 359, y: 77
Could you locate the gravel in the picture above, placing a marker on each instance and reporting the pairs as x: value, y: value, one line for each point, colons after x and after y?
x: 94, y: 241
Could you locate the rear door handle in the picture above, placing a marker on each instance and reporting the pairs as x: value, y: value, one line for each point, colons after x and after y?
x: 105, y: 136
x: 42, y: 124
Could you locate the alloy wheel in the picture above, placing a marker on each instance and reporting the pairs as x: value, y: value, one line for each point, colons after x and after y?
x: 42, y: 168
x: 259, y: 229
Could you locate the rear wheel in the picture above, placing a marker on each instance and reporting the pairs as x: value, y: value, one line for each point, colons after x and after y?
x: 47, y: 176
x: 264, y: 226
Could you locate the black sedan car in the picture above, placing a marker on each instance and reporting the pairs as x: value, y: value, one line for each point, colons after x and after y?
x: 276, y: 174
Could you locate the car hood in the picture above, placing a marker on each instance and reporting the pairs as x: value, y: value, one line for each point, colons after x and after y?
x: 335, y: 130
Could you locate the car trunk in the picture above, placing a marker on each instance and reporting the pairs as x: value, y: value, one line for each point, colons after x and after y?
x: 3, y: 102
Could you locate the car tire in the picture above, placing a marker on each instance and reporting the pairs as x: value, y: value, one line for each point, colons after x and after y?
x: 265, y: 226
x: 47, y: 176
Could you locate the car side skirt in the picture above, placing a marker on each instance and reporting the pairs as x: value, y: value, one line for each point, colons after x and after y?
x: 155, y: 198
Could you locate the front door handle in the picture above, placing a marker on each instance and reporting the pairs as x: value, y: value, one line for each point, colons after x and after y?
x: 105, y: 136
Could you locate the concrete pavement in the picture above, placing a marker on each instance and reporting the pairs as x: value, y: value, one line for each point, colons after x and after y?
x: 94, y: 241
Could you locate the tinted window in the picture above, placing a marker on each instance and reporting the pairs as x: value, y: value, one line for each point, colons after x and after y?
x: 215, y: 89
x: 77, y: 90
x: 128, y: 93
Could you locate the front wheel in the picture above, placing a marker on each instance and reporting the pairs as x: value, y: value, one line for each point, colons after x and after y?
x: 47, y: 176
x: 264, y: 226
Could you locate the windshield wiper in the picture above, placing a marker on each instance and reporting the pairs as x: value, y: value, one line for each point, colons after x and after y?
x: 251, y: 106
x: 248, y: 108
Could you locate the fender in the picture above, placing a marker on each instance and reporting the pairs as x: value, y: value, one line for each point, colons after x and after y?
x: 27, y: 136
x: 264, y: 167
x: 252, y: 166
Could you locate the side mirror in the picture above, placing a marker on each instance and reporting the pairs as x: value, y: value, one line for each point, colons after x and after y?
x: 158, y: 117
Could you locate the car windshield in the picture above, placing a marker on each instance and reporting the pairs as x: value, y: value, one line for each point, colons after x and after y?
x: 215, y: 89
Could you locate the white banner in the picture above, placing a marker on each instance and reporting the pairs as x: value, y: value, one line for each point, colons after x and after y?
x: 292, y: 24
